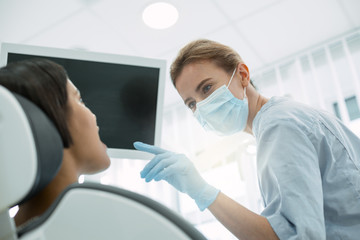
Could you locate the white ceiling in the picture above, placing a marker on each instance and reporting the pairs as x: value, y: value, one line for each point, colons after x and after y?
x: 262, y: 31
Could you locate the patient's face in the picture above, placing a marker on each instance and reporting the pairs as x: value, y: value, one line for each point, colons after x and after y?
x: 89, y: 151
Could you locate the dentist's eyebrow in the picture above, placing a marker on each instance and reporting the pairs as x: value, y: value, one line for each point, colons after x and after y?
x: 198, y: 88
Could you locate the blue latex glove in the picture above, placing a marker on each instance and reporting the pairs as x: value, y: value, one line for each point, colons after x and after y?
x: 180, y: 172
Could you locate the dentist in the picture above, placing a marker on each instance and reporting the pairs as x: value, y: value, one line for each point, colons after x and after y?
x: 308, y: 162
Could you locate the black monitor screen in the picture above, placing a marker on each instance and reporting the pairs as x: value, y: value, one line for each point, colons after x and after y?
x: 123, y: 97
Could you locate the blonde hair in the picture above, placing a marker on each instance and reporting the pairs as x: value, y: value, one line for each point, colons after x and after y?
x: 202, y: 50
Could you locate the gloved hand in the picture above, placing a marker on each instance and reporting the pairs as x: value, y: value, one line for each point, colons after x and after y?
x: 180, y: 172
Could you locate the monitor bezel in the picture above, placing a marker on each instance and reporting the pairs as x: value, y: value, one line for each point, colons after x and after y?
x: 41, y: 51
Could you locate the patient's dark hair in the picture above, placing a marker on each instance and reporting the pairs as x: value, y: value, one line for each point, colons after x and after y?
x: 44, y: 83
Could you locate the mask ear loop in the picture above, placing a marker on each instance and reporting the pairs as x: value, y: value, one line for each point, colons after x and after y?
x: 231, y: 78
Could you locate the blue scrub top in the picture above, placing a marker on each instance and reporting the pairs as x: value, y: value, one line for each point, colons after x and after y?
x: 308, y: 165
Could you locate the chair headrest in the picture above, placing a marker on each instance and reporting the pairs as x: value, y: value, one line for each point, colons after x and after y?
x: 31, y: 149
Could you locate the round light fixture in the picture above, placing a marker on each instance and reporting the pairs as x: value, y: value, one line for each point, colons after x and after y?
x: 160, y: 15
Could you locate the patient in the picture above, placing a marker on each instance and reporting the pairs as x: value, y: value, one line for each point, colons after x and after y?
x: 46, y: 84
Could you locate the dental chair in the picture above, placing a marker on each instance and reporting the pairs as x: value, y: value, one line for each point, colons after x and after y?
x: 30, y: 156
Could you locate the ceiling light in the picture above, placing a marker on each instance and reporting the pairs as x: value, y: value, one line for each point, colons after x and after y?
x: 160, y: 15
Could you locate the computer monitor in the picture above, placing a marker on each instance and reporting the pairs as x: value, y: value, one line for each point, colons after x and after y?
x: 126, y: 93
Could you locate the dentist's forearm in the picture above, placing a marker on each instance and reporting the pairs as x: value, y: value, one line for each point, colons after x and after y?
x: 243, y: 223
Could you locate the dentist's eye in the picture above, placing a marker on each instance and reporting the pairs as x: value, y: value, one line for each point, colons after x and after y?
x: 192, y: 105
x: 206, y: 88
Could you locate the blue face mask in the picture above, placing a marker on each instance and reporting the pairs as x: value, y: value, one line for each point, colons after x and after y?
x: 223, y: 113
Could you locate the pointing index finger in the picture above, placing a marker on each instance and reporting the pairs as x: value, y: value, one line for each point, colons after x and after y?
x: 148, y: 148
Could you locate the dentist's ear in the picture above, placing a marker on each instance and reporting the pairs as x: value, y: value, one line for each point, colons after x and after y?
x: 244, y: 73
